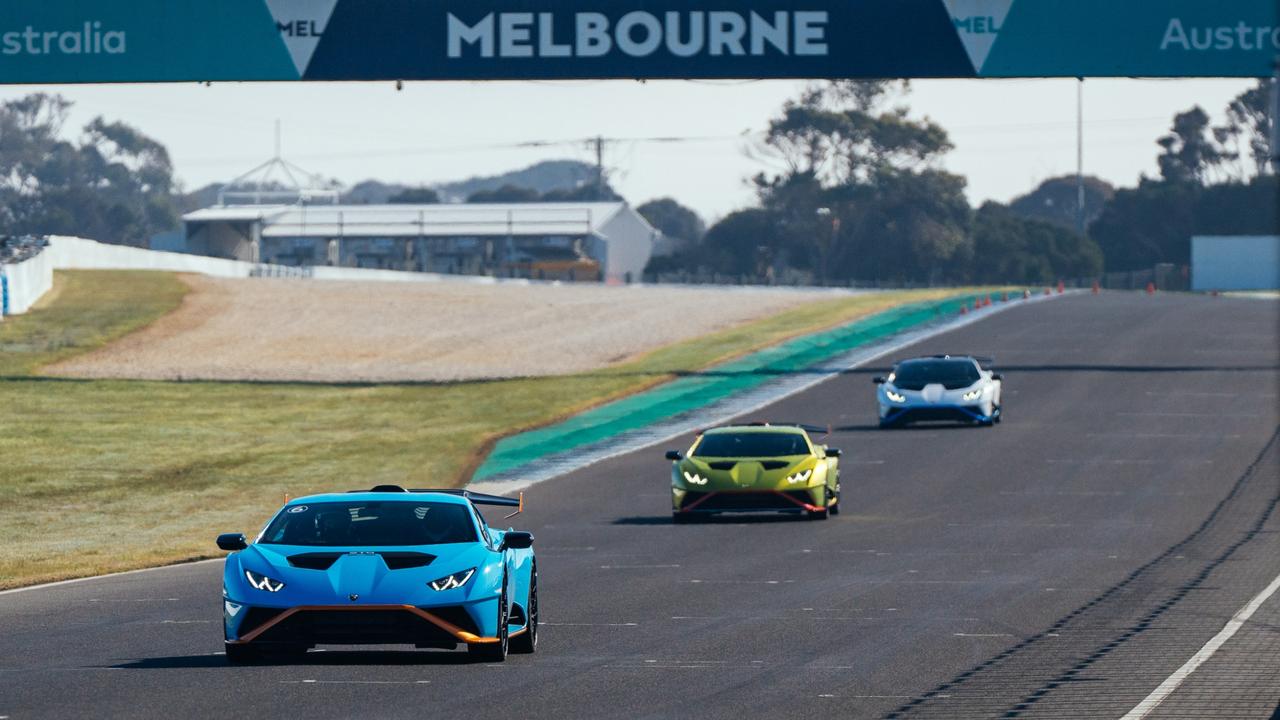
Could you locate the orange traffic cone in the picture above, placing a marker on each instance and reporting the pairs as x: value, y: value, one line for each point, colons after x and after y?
x: 1047, y: 291
x: 1095, y: 289
x: 1061, y: 287
x: 1151, y: 288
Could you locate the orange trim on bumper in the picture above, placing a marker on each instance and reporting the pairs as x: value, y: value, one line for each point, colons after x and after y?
x: 454, y: 630
x: 708, y: 496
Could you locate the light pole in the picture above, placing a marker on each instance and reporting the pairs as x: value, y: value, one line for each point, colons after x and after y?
x: 825, y: 212
x: 1080, y: 155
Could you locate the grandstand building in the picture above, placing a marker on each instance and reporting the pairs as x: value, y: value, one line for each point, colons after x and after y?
x: 566, y: 241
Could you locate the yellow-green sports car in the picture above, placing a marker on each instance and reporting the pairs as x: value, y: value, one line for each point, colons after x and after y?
x: 755, y: 468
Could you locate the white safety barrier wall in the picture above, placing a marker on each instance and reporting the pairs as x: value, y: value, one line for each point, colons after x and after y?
x: 27, y: 281
x: 28, y: 284
x: 71, y: 253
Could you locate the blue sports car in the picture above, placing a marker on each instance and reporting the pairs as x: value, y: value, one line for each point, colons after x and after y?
x: 383, y: 566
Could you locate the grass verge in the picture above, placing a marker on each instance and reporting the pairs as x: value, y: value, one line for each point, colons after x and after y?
x: 106, y: 475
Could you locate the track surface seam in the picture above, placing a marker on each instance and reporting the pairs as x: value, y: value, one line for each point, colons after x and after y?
x: 1144, y: 624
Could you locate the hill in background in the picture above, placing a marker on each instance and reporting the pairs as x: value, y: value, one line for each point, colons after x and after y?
x: 542, y: 177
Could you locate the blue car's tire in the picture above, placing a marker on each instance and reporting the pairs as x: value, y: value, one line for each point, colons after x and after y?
x: 495, y: 652
x: 681, y: 518
x: 240, y: 654
x: 527, y: 642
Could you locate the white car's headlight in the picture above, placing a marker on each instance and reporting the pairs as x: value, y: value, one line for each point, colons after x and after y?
x: 455, y: 580
x: 895, y: 396
x: 262, y: 582
x: 694, y: 478
x: 802, y: 476
x: 973, y: 394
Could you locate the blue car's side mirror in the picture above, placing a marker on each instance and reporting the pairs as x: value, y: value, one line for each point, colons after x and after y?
x: 232, y: 541
x: 516, y: 540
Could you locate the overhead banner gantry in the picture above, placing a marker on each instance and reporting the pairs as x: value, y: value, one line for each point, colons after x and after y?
x: 96, y: 41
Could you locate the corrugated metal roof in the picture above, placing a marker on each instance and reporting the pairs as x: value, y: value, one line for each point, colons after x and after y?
x: 417, y: 220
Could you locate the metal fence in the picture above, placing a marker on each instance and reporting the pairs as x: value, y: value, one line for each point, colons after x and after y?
x: 281, y: 271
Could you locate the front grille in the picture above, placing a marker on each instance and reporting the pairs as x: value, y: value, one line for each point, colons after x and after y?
x: 774, y: 464
x: 937, y: 414
x: 357, y: 627
x: 455, y: 615
x: 751, y: 501
x: 255, y: 617
x: 722, y: 465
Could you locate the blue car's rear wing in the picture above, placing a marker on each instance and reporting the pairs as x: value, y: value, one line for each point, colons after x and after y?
x: 475, y: 497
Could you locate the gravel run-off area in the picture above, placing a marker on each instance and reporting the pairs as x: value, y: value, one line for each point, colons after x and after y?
x: 335, y: 331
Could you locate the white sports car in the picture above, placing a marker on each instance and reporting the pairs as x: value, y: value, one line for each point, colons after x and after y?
x: 962, y: 388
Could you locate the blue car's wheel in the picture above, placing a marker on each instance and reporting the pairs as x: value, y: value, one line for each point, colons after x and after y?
x: 238, y: 654
x: 527, y: 641
x: 495, y: 651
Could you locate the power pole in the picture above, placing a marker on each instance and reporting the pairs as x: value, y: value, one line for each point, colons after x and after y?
x: 1274, y: 120
x: 1080, y: 156
x: 599, y: 142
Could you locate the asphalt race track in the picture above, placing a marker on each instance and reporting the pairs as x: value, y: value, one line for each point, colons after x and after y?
x: 1061, y: 564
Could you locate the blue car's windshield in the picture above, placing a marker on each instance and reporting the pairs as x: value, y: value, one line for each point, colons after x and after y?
x: 751, y: 444
x: 399, y: 522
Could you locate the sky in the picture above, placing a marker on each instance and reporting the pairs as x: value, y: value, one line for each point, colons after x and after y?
x: 1009, y: 134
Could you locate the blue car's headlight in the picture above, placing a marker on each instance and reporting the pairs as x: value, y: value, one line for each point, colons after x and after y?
x: 262, y: 582
x: 455, y: 580
x: 895, y: 396
x: 973, y: 394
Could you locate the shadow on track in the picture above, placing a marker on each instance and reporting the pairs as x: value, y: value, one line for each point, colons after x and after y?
x: 759, y: 519
x: 313, y: 658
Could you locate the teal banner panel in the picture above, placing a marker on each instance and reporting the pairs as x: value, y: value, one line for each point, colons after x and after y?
x: 93, y: 41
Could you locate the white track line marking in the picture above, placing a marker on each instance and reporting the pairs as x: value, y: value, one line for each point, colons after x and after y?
x: 354, y: 682
x: 593, y: 624
x: 1171, y: 683
x: 108, y: 575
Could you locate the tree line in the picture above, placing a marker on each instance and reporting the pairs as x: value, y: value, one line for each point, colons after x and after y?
x: 863, y: 197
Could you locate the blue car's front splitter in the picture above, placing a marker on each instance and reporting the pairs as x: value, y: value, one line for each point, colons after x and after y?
x: 360, y: 624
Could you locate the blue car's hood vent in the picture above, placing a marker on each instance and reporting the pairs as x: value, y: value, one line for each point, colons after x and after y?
x: 403, y: 560
x: 315, y: 561
x: 394, y: 560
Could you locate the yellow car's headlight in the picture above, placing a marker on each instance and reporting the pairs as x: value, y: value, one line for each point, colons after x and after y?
x: 800, y: 477
x: 694, y: 478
